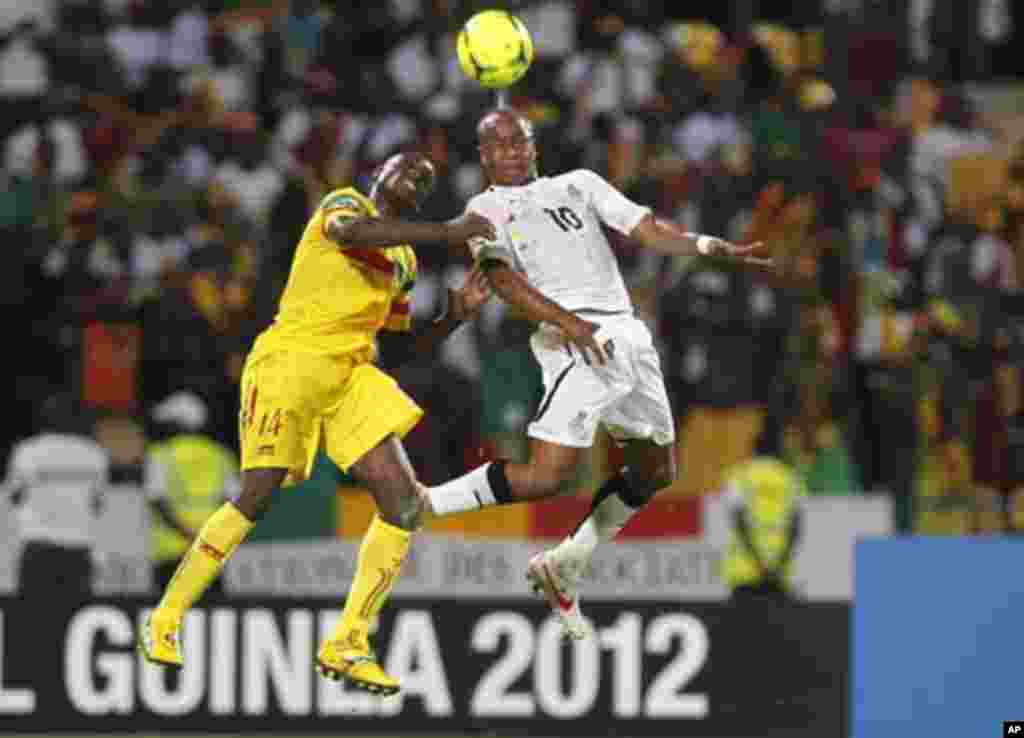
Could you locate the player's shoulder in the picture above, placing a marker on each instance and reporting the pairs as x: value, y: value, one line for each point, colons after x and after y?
x: 346, y: 198
x: 579, y: 184
x: 585, y: 178
x: 490, y: 202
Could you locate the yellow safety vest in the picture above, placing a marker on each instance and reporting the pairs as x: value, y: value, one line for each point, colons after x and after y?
x: 771, y: 492
x: 199, y: 472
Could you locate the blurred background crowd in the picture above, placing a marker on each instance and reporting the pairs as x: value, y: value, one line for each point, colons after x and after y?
x: 160, y: 159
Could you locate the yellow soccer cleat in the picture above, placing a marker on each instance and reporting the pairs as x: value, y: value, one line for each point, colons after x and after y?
x: 351, y: 660
x: 159, y: 641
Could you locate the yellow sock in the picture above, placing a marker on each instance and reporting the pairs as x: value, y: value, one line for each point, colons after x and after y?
x: 217, y: 539
x: 381, y: 555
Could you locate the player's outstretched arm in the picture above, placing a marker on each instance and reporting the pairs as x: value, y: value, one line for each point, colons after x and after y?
x: 668, y: 238
x: 382, y: 232
x: 426, y: 336
x: 515, y: 290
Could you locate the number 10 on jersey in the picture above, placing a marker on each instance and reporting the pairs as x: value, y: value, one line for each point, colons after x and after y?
x: 565, y: 218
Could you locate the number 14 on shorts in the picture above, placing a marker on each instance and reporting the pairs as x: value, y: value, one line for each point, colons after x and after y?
x: 267, y: 422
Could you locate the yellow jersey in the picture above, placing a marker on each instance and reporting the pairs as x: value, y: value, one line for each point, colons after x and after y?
x: 338, y: 297
x: 766, y: 492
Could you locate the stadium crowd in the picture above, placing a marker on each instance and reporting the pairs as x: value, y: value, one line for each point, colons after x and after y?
x: 160, y: 159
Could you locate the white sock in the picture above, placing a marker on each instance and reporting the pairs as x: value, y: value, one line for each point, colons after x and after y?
x: 471, y: 491
x: 602, y: 524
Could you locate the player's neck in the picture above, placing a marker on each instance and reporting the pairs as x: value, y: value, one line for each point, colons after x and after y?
x: 528, y: 181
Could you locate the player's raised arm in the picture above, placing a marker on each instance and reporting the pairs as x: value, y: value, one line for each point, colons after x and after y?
x: 348, y: 229
x: 401, y: 185
x: 668, y: 238
x: 513, y: 288
x: 637, y: 222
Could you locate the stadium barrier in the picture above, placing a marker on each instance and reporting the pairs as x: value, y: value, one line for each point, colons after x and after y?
x: 653, y: 668
x: 455, y: 566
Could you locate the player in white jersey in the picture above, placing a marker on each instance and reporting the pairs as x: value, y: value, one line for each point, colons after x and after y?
x: 552, y: 260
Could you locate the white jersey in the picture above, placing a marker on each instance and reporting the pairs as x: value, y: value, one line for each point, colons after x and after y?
x: 550, y: 230
x: 59, y: 478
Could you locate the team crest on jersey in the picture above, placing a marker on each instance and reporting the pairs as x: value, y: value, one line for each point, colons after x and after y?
x: 575, y: 193
x: 578, y: 425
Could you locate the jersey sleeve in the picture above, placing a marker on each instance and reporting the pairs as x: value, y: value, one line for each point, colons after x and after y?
x: 400, y: 315
x: 500, y: 249
x: 342, y: 206
x: 613, y: 208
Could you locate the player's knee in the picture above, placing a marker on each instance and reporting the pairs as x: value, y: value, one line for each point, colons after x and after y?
x: 258, y: 489
x: 398, y: 502
x: 550, y: 480
x: 409, y: 513
x: 644, y: 486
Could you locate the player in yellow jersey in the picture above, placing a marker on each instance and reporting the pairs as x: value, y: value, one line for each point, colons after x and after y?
x: 310, y: 382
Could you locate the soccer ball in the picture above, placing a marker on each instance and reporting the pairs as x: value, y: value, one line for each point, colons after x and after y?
x: 494, y: 48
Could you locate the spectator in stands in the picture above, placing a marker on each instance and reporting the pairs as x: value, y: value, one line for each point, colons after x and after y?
x: 129, y: 113
x: 713, y: 323
x: 24, y: 75
x: 247, y: 174
x: 1012, y: 393
x: 190, y: 341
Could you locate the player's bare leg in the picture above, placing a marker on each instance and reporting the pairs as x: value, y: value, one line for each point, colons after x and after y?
x: 552, y: 469
x: 159, y: 639
x: 347, y: 655
x: 557, y: 572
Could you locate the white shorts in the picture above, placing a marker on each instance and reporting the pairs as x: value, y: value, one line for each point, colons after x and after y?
x: 627, y: 395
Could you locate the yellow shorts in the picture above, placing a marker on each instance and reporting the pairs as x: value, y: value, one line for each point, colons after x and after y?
x: 293, y: 404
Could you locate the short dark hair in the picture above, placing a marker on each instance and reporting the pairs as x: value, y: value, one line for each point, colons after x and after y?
x: 524, y: 119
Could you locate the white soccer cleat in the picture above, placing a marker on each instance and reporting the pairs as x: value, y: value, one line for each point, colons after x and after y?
x: 555, y: 581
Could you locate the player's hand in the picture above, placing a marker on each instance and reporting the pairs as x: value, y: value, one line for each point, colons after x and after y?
x: 745, y: 254
x: 583, y: 334
x: 467, y: 301
x: 468, y: 226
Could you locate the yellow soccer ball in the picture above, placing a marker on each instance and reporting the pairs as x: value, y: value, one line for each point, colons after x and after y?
x: 494, y: 48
